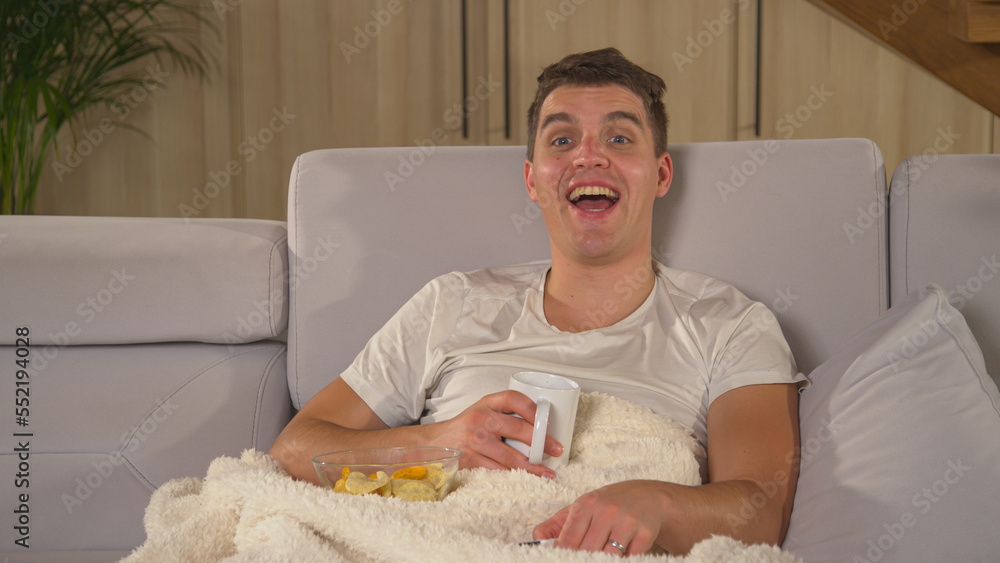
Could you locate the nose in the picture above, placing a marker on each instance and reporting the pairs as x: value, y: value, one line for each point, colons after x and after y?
x: 590, y: 153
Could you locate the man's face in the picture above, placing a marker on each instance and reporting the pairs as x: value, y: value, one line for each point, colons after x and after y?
x: 594, y: 173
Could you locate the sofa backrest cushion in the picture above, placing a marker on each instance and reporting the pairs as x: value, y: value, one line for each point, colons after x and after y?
x: 944, y: 222
x: 107, y: 280
x: 794, y: 224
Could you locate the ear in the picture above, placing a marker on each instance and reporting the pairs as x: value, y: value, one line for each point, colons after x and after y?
x: 665, y: 175
x: 529, y: 181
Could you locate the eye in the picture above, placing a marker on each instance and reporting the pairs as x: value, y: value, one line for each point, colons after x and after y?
x: 562, y: 141
x: 619, y: 139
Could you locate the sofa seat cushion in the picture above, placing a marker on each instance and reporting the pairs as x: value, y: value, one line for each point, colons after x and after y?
x: 106, y: 425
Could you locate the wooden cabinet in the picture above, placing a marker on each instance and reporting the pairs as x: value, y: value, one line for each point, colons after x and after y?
x: 312, y: 74
x: 691, y: 45
x: 354, y: 74
x: 392, y: 73
x: 384, y: 73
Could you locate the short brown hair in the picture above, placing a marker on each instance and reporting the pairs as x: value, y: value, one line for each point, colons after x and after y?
x: 601, y: 68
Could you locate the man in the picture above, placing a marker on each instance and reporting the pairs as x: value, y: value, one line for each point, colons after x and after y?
x: 688, y: 346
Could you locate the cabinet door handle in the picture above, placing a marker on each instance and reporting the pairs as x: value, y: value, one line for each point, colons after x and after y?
x: 506, y: 69
x: 756, y: 101
x: 465, y: 76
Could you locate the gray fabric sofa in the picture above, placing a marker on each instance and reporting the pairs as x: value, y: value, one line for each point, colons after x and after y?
x: 155, y: 345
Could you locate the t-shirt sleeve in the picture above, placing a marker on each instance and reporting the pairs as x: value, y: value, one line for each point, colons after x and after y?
x: 396, y: 368
x: 749, y: 347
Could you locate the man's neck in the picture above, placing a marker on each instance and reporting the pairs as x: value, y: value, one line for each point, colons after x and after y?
x: 581, y: 297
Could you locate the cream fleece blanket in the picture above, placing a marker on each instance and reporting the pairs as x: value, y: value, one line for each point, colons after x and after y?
x: 249, y: 510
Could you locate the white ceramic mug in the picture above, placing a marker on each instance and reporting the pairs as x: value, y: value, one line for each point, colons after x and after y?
x: 556, y: 398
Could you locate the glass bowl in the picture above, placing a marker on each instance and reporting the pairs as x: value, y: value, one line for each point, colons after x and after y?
x: 412, y: 473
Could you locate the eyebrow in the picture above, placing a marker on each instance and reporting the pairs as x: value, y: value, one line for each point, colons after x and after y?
x: 623, y: 115
x: 559, y: 117
x: 563, y: 117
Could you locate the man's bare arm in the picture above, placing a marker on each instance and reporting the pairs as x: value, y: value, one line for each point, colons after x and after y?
x: 754, y: 440
x: 753, y: 467
x: 337, y: 419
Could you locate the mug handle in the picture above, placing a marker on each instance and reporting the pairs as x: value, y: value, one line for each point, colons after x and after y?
x: 538, y: 435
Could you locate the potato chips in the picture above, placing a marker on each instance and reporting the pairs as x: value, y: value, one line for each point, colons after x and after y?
x: 416, y: 484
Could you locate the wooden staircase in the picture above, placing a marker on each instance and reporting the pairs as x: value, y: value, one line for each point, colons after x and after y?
x: 975, y: 21
x: 956, y: 40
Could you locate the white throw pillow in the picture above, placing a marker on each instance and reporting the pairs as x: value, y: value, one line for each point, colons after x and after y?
x: 900, y: 455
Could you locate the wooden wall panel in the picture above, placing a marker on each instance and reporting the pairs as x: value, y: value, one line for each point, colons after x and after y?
x: 344, y: 74
x: 313, y: 74
x: 123, y: 173
x: 689, y: 44
x: 822, y: 78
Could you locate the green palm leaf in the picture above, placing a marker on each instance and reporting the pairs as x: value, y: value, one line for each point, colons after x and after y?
x: 61, y: 59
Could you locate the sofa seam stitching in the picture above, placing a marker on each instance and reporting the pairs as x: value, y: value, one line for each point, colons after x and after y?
x: 173, y: 393
x: 981, y: 376
x: 275, y: 247
x: 881, y: 252
x: 268, y: 370
x: 294, y: 302
x: 906, y: 231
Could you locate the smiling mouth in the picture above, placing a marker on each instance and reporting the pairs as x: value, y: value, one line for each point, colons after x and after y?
x: 593, y: 198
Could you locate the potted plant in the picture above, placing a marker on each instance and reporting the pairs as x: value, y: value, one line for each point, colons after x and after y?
x: 63, y: 58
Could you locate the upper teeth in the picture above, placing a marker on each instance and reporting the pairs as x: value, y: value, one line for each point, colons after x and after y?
x: 592, y: 190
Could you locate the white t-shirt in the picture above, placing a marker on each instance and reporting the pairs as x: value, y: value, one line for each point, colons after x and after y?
x: 464, y: 334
